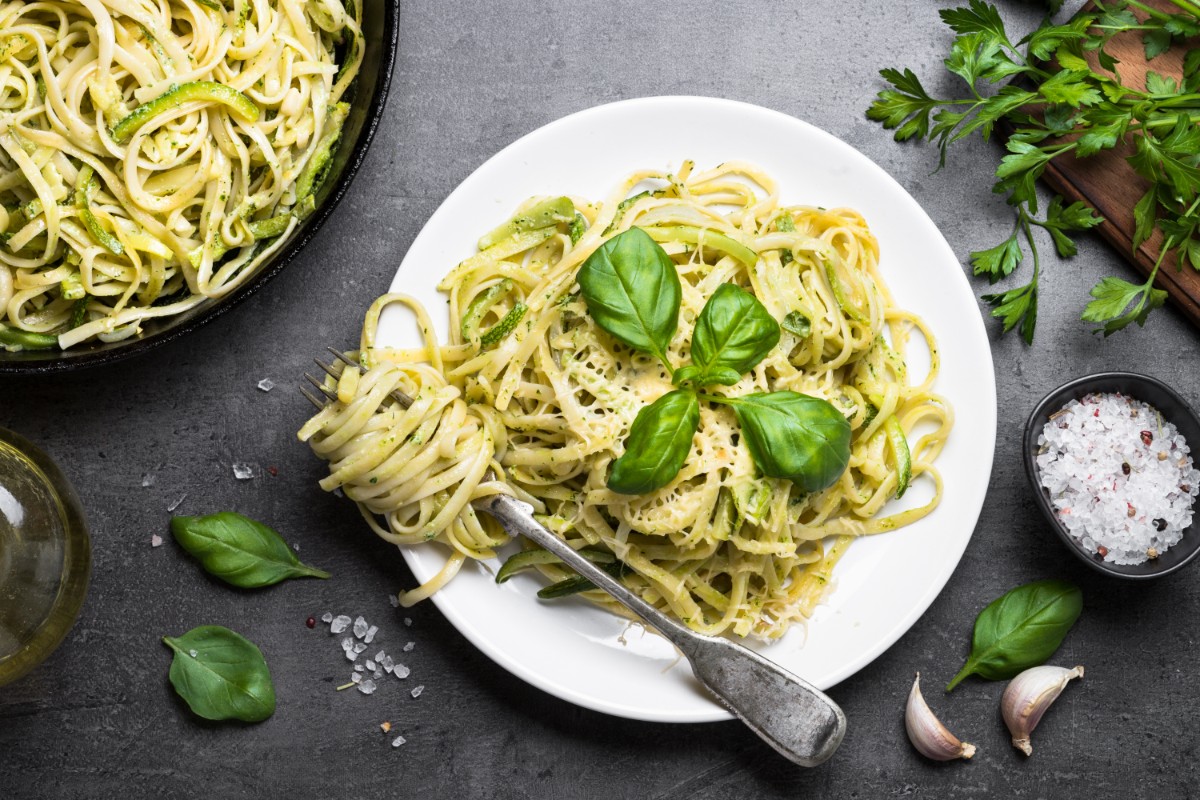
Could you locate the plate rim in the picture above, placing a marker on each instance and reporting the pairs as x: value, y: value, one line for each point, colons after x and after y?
x: 716, y: 712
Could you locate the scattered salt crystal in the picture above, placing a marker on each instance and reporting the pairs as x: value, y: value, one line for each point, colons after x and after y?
x: 367, y: 686
x: 370, y: 663
x: 416, y: 692
x: 339, y: 624
x: 395, y: 601
x: 408, y: 647
x: 360, y: 627
x: 359, y: 647
x: 388, y: 663
x: 401, y: 671
x: 193, y: 653
x: 358, y: 668
x: 243, y: 472
x: 155, y: 540
x: 399, y: 740
x: 147, y: 481
x: 171, y: 508
x: 327, y: 617
x: 296, y: 547
x: 266, y: 384
x: 338, y: 492
x: 408, y: 621
x: 356, y: 677
x: 348, y: 643
x: 379, y: 656
x: 351, y: 655
x: 377, y: 674
x: 371, y: 634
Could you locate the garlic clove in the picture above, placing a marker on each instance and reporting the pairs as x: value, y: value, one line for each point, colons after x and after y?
x: 1027, y: 698
x: 929, y: 735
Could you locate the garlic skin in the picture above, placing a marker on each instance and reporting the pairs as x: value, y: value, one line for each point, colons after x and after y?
x: 929, y: 735
x: 1027, y: 698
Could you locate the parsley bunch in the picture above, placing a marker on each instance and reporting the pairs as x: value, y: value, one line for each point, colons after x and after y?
x: 1057, y: 105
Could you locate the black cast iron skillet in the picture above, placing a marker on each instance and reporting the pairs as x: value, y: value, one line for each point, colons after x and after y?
x: 381, y: 32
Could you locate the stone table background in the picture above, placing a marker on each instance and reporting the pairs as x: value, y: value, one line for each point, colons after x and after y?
x: 99, y: 718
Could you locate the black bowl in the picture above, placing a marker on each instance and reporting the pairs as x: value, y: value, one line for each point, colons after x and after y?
x: 1173, y: 408
x: 381, y: 31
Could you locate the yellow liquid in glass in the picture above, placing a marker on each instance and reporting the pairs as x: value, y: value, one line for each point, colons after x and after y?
x: 44, y: 556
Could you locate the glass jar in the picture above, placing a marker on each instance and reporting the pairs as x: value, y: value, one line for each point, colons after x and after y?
x: 45, y: 556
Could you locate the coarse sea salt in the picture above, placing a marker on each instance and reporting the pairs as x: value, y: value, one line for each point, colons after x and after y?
x: 339, y: 624
x: 360, y: 627
x: 1119, y: 476
x: 417, y: 690
x: 399, y: 740
x: 243, y: 472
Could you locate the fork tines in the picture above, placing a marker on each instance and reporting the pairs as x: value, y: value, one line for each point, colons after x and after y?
x: 399, y: 396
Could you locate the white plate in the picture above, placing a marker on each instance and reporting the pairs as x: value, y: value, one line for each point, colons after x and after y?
x: 884, y: 583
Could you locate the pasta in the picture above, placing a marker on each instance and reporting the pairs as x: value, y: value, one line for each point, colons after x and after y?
x: 154, y: 152
x: 538, y: 402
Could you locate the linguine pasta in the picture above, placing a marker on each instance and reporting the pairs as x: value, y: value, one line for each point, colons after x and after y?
x: 154, y: 152
x: 538, y: 402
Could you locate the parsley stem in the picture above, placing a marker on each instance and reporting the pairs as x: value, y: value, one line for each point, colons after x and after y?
x: 1186, y: 5
x: 1153, y: 12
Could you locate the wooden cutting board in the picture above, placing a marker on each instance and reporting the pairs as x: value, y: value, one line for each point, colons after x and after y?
x: 1107, y: 182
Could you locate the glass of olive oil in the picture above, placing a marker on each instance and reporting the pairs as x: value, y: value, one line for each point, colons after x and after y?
x: 45, y: 556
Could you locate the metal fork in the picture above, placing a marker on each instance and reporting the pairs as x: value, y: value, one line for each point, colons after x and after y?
x: 788, y: 712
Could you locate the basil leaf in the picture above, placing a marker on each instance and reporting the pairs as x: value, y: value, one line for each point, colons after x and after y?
x: 221, y: 675
x: 795, y: 436
x: 658, y: 443
x: 797, y: 324
x: 632, y: 291
x: 733, y: 333
x: 703, y: 377
x: 239, y: 550
x: 1020, y: 630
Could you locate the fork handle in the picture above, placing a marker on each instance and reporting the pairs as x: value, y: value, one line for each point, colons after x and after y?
x: 788, y: 712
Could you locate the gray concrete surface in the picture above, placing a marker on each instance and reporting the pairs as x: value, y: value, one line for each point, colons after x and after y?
x: 99, y: 718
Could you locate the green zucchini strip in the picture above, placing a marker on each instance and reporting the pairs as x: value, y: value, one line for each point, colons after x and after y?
x: 469, y: 325
x: 85, y: 185
x: 317, y: 167
x: 27, y: 340
x: 504, y: 327
x: 903, y: 456
x: 542, y: 215
x: 209, y: 91
x: 578, y: 583
x: 839, y: 294
x: 527, y: 559
x: 705, y: 238
x: 71, y: 287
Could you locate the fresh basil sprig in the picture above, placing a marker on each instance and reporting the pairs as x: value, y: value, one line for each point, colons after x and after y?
x: 658, y: 443
x: 733, y: 333
x: 221, y: 675
x: 1021, y: 629
x: 794, y: 436
x: 629, y: 285
x: 632, y: 291
x: 239, y: 550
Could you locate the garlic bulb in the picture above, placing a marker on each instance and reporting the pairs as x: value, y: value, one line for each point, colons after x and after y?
x: 1028, y: 696
x: 927, y: 734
